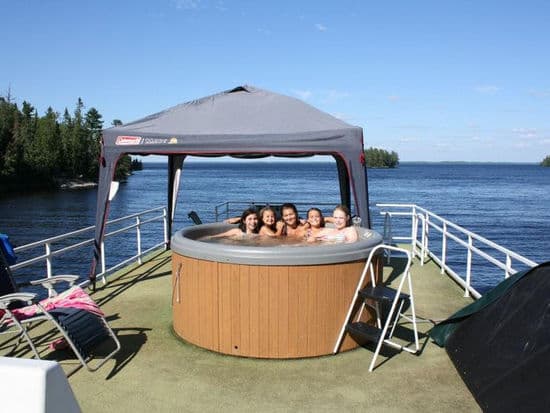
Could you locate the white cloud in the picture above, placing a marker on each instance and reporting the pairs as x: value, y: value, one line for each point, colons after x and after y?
x: 220, y: 6
x: 522, y: 145
x: 321, y: 96
x: 303, y: 94
x: 332, y: 95
x: 186, y: 4
x: 525, y: 133
x: 320, y: 27
x: 344, y: 116
x: 394, y: 98
x: 487, y: 89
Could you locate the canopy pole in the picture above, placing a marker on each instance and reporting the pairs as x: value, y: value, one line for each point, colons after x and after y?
x: 343, y: 178
x: 106, y: 173
x: 175, y: 164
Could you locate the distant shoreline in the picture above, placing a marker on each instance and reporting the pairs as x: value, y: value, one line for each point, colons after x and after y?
x: 145, y: 163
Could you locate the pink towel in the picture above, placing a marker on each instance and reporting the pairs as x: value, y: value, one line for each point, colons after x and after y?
x: 74, y: 297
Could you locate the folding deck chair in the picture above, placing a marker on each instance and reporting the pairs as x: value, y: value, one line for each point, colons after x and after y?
x: 72, y: 312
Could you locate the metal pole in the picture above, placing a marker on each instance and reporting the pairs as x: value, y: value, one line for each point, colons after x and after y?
x: 468, y: 267
x: 138, y: 238
x: 49, y: 265
x: 443, y: 247
x: 508, y: 271
x: 165, y: 223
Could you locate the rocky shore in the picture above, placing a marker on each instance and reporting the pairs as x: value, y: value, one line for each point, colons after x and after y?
x: 71, y: 184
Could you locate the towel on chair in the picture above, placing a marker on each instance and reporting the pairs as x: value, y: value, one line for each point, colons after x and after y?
x: 74, y: 297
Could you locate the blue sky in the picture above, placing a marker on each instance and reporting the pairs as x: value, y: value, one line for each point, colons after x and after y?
x: 431, y: 80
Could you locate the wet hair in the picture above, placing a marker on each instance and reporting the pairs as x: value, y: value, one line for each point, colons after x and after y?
x: 345, y: 210
x: 322, y: 221
x: 272, y: 227
x: 290, y: 206
x: 246, y: 213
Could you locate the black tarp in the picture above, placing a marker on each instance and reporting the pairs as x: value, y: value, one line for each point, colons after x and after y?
x: 500, y: 344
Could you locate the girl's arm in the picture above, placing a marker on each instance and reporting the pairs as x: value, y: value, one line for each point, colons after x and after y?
x: 233, y: 232
x: 351, y: 234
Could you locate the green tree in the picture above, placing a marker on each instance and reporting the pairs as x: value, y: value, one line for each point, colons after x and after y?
x: 36, y: 152
x: 546, y: 161
x: 380, y: 158
x: 8, y: 119
x: 94, y: 125
x: 67, y: 149
x: 45, y: 148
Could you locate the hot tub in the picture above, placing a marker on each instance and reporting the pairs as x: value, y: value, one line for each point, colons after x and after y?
x: 284, y: 301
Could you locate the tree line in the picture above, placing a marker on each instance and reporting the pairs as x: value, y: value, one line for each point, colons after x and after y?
x: 380, y: 158
x: 40, y: 152
x: 546, y: 161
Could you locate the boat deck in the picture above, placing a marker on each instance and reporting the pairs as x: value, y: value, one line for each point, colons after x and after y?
x: 155, y: 371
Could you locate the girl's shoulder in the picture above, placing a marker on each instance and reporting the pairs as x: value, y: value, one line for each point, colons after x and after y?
x: 265, y: 230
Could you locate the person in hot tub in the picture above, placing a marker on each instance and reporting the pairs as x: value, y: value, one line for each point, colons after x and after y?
x: 342, y: 231
x: 248, y: 225
x: 269, y: 226
x: 292, y: 225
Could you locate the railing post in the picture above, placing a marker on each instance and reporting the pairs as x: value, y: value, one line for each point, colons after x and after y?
x: 103, y: 264
x: 48, y: 259
x: 427, y: 238
x: 468, y: 267
x: 423, y: 240
x: 49, y: 264
x: 387, y: 237
x: 508, y: 266
x: 443, y: 248
x: 414, y: 236
x: 414, y: 231
x: 165, y: 223
x: 138, y: 238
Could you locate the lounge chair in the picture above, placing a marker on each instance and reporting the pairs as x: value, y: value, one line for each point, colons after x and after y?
x: 72, y: 312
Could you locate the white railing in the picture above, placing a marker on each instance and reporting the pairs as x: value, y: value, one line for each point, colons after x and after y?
x: 130, y: 222
x: 424, y: 222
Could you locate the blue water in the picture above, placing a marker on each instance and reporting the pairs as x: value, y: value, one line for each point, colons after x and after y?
x: 506, y: 203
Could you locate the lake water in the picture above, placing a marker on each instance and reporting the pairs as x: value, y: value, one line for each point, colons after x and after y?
x: 506, y: 203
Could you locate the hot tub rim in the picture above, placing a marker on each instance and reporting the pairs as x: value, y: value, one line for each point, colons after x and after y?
x: 184, y: 242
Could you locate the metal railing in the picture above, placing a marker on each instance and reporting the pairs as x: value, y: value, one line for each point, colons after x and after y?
x: 423, y: 223
x: 130, y: 222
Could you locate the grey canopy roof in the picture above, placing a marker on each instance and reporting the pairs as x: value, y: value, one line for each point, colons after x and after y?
x: 244, y: 121
x: 239, y: 120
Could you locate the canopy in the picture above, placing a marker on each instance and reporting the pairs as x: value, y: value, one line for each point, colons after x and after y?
x: 244, y: 122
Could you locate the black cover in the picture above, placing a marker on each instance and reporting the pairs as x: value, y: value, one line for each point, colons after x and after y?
x: 502, y: 351
x: 85, y: 329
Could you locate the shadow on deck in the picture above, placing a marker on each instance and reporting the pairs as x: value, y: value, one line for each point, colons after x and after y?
x: 156, y: 371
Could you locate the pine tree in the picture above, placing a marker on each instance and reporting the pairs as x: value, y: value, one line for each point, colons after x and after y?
x: 94, y: 125
x: 8, y: 118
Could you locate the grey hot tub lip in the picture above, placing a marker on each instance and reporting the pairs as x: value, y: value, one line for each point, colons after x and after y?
x: 184, y: 243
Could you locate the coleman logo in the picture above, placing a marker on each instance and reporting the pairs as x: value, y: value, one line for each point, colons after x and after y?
x: 128, y: 140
